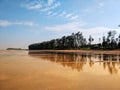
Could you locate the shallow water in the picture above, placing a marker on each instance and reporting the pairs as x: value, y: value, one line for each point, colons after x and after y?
x: 22, y: 71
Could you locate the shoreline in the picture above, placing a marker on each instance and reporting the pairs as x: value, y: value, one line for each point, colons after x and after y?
x: 77, y: 51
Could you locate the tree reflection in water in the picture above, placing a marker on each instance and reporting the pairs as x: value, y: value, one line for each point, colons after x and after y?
x: 78, y: 61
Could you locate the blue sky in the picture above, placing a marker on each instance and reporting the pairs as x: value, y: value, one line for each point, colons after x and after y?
x: 23, y: 22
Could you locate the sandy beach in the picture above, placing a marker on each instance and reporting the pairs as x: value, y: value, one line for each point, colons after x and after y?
x: 20, y: 70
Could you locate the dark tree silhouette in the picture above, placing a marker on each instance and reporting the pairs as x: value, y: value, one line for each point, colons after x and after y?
x: 77, y: 41
x: 90, y: 39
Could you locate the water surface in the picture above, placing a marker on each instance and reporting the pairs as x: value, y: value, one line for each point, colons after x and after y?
x: 22, y: 71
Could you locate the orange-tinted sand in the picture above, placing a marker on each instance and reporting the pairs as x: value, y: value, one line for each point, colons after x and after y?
x: 20, y: 71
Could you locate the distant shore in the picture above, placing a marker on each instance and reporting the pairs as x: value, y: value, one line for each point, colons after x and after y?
x: 77, y: 51
x: 15, y: 49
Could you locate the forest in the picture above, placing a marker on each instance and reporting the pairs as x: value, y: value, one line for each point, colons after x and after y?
x: 78, y: 41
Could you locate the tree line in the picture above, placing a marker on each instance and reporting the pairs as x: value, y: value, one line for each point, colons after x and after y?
x: 77, y: 41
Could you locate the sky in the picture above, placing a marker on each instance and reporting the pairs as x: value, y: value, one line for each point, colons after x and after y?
x: 23, y: 22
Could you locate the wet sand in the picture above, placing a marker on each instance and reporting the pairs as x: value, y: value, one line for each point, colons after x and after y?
x: 21, y: 71
x: 79, y: 51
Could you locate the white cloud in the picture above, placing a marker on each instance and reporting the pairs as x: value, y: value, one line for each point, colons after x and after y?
x: 41, y: 5
x: 54, y: 14
x: 100, y: 5
x: 57, y: 4
x: 63, y: 13
x: 50, y: 7
x: 5, y: 23
x: 50, y: 2
x: 33, y: 5
x: 69, y: 15
x: 49, y: 12
x: 37, y: 6
x: 72, y: 26
x: 74, y: 17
